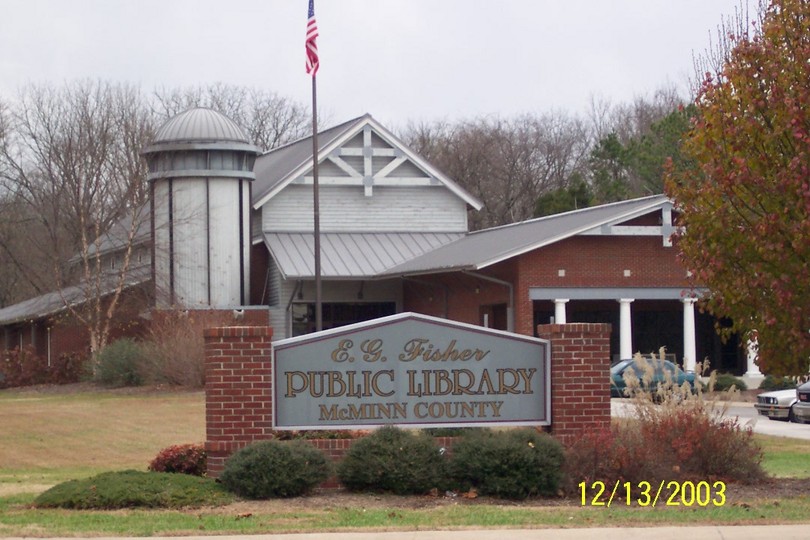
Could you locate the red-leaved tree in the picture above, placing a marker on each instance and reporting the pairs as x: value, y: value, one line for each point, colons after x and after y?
x: 746, y: 203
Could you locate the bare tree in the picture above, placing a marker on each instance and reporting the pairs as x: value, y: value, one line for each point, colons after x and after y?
x: 269, y: 119
x: 507, y: 163
x: 71, y: 155
x: 12, y: 287
x: 732, y: 29
x: 632, y: 120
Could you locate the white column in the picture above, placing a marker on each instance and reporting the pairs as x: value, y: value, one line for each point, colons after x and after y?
x: 559, y: 311
x: 625, y: 329
x: 753, y: 352
x: 689, y: 346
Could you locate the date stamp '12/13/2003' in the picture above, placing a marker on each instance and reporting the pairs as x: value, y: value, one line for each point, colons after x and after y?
x: 665, y: 493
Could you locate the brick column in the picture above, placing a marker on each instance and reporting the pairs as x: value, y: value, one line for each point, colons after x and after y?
x: 238, y: 387
x: 580, y: 377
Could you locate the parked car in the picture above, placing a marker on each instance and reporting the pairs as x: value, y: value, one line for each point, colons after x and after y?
x: 663, y: 370
x: 801, y: 409
x: 777, y: 405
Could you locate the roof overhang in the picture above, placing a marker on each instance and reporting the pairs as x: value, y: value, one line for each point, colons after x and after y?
x: 349, y: 255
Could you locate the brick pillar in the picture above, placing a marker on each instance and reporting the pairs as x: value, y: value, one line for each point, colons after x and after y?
x: 580, y: 377
x: 238, y: 387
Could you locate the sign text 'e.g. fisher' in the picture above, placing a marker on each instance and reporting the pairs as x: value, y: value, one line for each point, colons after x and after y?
x: 410, y: 369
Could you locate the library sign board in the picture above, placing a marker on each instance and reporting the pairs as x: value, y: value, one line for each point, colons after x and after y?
x: 410, y: 370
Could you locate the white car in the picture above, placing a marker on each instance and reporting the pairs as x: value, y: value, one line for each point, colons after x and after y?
x: 777, y: 405
x: 801, y: 410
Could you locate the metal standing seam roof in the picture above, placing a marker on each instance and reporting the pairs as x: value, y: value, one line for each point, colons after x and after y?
x: 56, y: 301
x: 199, y: 124
x: 349, y: 255
x: 483, y: 248
x: 198, y: 129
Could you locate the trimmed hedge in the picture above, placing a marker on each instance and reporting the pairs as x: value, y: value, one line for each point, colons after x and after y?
x: 129, y: 489
x: 395, y: 461
x: 512, y: 464
x: 270, y: 469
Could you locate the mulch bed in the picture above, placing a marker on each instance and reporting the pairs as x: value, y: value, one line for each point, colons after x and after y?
x: 736, y: 494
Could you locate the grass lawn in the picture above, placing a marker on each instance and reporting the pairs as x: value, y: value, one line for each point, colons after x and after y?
x: 50, y: 437
x: 785, y: 458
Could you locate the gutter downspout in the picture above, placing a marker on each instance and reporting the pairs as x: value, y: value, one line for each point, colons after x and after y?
x: 510, y: 307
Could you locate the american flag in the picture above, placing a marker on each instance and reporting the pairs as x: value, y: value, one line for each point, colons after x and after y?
x: 311, y: 46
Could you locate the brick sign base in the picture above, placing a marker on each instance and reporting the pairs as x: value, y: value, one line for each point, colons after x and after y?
x: 238, y: 387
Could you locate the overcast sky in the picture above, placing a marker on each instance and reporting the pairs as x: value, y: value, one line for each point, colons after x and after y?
x: 400, y: 60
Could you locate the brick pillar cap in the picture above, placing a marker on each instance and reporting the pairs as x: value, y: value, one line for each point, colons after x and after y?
x: 238, y: 331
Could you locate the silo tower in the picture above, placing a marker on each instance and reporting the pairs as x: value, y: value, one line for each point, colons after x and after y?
x: 200, y: 172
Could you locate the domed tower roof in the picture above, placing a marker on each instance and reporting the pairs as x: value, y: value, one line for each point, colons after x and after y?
x: 200, y: 129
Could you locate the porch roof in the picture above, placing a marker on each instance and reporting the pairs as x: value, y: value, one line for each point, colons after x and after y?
x: 349, y: 255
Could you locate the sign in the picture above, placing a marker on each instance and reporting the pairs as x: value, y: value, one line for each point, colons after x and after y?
x: 412, y: 370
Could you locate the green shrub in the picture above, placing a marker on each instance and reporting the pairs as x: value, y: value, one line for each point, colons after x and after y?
x: 771, y: 382
x: 119, y: 364
x: 128, y: 489
x: 393, y: 460
x: 512, y: 464
x: 182, y: 458
x: 725, y: 381
x: 269, y: 469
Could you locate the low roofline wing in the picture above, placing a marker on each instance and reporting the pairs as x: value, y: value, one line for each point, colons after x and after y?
x: 484, y: 248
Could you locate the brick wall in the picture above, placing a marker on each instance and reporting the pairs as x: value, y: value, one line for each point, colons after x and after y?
x: 595, y: 261
x: 580, y: 377
x: 238, y: 385
x: 458, y: 296
x: 588, y: 261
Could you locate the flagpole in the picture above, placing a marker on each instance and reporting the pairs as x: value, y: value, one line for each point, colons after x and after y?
x: 312, y: 68
x: 316, y: 211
